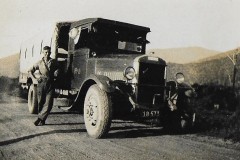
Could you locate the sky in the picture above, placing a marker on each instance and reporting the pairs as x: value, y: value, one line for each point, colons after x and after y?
x: 211, y: 24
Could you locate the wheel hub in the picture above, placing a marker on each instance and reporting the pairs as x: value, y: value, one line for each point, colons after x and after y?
x: 92, y: 112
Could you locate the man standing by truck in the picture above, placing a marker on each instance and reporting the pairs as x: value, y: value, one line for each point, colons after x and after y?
x: 45, y: 89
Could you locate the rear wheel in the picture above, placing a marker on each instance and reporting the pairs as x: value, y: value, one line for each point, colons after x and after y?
x: 97, y: 112
x: 32, y: 99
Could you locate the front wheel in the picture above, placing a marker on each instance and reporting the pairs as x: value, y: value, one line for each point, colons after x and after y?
x: 32, y: 99
x: 97, y: 112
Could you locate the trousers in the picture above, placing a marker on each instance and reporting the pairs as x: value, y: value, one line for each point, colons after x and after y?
x: 45, y: 91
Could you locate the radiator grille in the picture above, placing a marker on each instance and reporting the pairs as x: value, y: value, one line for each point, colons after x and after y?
x: 150, y: 82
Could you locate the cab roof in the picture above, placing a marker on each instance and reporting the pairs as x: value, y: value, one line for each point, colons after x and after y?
x: 106, y: 21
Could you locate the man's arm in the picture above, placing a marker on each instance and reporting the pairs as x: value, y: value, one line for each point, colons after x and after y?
x: 31, y: 73
x: 189, y: 90
x: 56, y: 70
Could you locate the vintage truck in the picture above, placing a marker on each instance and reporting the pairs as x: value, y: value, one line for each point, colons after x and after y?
x: 104, y: 72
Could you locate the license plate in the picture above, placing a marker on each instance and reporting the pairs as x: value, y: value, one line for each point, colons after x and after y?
x: 150, y: 113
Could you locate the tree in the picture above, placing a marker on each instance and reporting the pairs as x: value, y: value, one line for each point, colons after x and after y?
x: 233, y: 58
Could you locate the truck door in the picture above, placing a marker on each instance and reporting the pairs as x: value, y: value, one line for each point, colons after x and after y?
x: 79, y: 67
x: 80, y: 57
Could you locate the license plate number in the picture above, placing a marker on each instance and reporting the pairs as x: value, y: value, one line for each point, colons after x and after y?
x: 150, y: 113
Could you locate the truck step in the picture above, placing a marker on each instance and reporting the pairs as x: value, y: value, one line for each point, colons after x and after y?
x: 62, y: 102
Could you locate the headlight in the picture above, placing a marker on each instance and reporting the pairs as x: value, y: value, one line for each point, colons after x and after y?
x: 129, y: 73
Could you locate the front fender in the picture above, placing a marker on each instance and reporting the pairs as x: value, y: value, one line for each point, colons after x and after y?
x: 103, y: 82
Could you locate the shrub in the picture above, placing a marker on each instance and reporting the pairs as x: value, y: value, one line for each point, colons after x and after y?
x: 218, y: 111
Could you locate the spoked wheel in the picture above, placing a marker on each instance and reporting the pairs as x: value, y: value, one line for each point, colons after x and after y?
x: 97, y: 112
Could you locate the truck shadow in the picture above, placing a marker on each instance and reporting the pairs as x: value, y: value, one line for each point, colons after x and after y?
x: 135, y: 132
x: 64, y: 112
x: 61, y: 124
x: 19, y: 139
x: 142, y: 131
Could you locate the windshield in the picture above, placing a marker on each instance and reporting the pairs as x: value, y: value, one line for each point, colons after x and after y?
x: 115, y: 38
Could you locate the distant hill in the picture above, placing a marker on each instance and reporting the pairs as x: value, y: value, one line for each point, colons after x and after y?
x: 200, y: 65
x: 183, y: 55
x: 219, y: 56
x: 9, y: 66
x: 216, y: 70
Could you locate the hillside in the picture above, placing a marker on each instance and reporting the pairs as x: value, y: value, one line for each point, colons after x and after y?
x: 216, y: 70
x: 183, y: 55
x: 9, y: 66
x: 219, y: 56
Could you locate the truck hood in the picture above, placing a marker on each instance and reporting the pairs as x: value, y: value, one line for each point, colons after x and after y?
x: 113, y: 66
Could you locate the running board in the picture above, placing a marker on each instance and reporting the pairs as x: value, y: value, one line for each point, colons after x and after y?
x: 63, y: 103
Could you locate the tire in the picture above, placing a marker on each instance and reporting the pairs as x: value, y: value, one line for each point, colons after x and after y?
x: 188, y: 123
x: 97, y: 112
x: 172, y: 122
x: 32, y: 99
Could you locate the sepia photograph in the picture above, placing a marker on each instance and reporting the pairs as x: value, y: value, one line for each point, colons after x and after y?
x: 120, y: 80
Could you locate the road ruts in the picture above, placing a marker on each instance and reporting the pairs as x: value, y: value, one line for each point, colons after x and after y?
x: 64, y: 137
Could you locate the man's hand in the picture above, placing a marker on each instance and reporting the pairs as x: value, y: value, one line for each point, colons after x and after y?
x: 39, y: 80
x: 56, y: 73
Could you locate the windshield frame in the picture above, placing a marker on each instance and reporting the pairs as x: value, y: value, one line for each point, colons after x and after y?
x: 109, y: 38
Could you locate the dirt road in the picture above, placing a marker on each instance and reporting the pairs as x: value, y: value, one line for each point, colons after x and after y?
x: 64, y: 137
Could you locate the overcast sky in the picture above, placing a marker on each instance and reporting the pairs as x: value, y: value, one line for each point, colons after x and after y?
x: 212, y: 24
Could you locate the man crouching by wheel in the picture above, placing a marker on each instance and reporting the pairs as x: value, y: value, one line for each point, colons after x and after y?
x: 47, y: 68
x: 182, y: 115
x: 185, y: 93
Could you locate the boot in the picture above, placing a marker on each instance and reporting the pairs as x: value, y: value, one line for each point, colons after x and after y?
x: 39, y: 122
